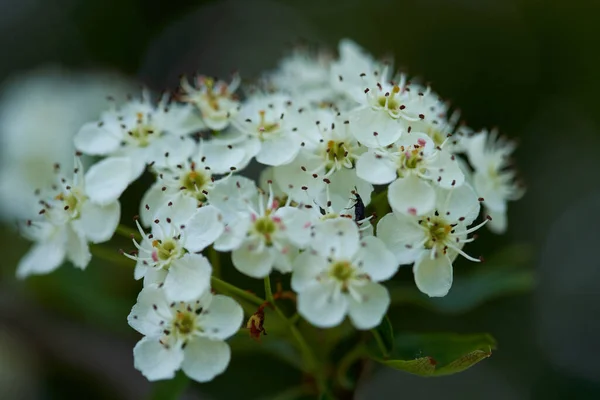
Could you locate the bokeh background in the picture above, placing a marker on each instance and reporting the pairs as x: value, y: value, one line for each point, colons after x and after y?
x: 529, y: 67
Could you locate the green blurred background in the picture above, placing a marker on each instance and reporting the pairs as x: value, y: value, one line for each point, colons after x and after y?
x: 526, y: 66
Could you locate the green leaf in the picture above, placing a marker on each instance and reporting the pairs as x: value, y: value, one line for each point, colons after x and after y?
x: 437, y: 354
x: 505, y: 273
x: 384, y: 337
x: 171, y: 389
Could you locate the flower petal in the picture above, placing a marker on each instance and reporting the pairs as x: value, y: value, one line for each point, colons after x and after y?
x: 223, y: 319
x: 499, y: 222
x: 433, y: 277
x: 337, y: 238
x: 234, y: 234
x: 155, y: 361
x: 341, y: 187
x: 256, y: 264
x: 323, y: 305
x: 402, y: 236
x: 203, y: 228
x: 154, y: 198
x: 307, y: 266
x: 222, y: 157
x: 106, y: 180
x: 99, y: 222
x: 374, y: 128
x: 375, y: 259
x: 204, y: 359
x: 96, y: 140
x: 297, y: 224
x: 447, y: 170
x: 43, y: 257
x: 188, y: 278
x: 411, y: 195
x: 368, y: 311
x: 143, y: 317
x: 278, y: 151
x: 458, y: 203
x: 78, y: 251
x: 376, y: 170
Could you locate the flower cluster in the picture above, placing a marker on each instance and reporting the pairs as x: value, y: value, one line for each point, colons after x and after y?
x: 327, y: 129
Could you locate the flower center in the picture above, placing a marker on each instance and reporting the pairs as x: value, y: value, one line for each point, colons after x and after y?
x: 439, y: 231
x: 164, y: 250
x: 194, y: 182
x: 389, y: 101
x: 265, y: 227
x: 71, y: 201
x: 265, y: 126
x: 341, y: 271
x: 185, y: 322
x: 142, y: 133
x: 336, y: 152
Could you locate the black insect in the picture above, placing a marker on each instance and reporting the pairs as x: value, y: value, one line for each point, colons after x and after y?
x: 359, y: 206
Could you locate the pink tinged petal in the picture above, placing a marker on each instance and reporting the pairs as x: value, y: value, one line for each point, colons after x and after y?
x: 337, y: 238
x: 375, y: 128
x: 155, y: 361
x: 233, y: 234
x: 499, y: 222
x: 154, y: 198
x: 402, y: 236
x: 95, y: 140
x: 150, y: 309
x: 205, y: 358
x: 411, y: 195
x: 222, y: 157
x: 323, y: 305
x: 256, y: 264
x: 368, y: 309
x: 78, y: 251
x: 460, y: 204
x: 43, y: 257
x: 106, y: 180
x: 433, y: 277
x: 375, y: 259
x: 378, y: 171
x: 223, y: 319
x: 278, y: 151
x: 203, y: 228
x: 188, y: 278
x: 97, y: 222
x: 307, y: 266
x: 296, y: 223
x: 446, y: 171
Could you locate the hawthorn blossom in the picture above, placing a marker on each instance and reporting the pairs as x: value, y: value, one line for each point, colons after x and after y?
x: 143, y: 132
x: 183, y: 335
x: 414, y: 166
x: 265, y: 238
x: 493, y: 179
x: 433, y: 240
x: 216, y: 100
x: 339, y: 277
x: 169, y: 256
x: 74, y: 212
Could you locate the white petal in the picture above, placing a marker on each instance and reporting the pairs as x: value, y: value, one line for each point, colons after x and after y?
x: 179, y: 149
x: 232, y: 195
x: 323, y: 305
x: 458, y: 203
x: 446, y: 171
x: 95, y: 140
x: 433, y: 277
x: 411, y: 195
x: 43, y: 257
x: 234, y: 234
x: 143, y: 317
x: 78, y: 251
x: 402, y: 236
x: 307, y: 266
x: 295, y: 176
x: 278, y: 151
x: 203, y: 228
x: 205, y: 359
x: 140, y: 270
x: 378, y: 171
x: 487, y: 188
x: 256, y: 264
x: 376, y: 259
x: 337, y: 238
x: 499, y: 222
x: 222, y: 157
x: 368, y: 311
x: 154, y: 198
x: 155, y: 361
x: 99, y: 222
x: 181, y: 209
x: 223, y: 319
x: 154, y: 276
x: 341, y: 187
x: 106, y: 180
x: 297, y: 224
x: 365, y: 122
x: 188, y: 278
x: 284, y: 260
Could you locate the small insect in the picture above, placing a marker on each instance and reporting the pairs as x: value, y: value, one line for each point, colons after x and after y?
x: 359, y: 206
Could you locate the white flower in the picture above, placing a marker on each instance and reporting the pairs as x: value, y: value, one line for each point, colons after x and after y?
x: 75, y: 212
x: 183, y: 335
x: 420, y: 167
x: 492, y: 178
x: 167, y: 255
x: 142, y: 132
x: 266, y: 238
x: 339, y: 277
x: 215, y: 99
x: 40, y: 112
x: 433, y: 241
x: 269, y: 127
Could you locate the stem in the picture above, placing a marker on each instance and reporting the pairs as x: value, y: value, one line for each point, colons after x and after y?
x: 127, y: 232
x: 309, y: 357
x: 110, y: 255
x: 215, y: 261
x: 380, y: 343
x: 228, y: 287
x: 346, y: 362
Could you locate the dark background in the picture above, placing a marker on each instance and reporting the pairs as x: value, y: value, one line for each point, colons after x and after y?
x: 529, y: 67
